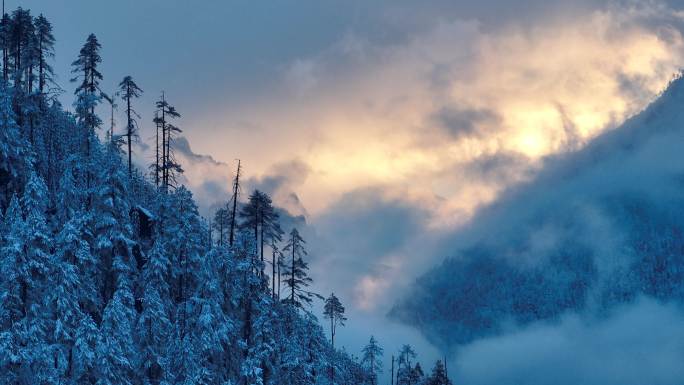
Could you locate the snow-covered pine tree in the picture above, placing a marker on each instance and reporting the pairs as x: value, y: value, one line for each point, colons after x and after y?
x: 220, y: 225
x: 87, y: 297
x: 71, y: 300
x: 5, y: 24
x: 25, y: 264
x: 259, y: 216
x: 154, y: 327
x: 12, y: 309
x: 372, y: 360
x: 85, y: 67
x: 405, y: 371
x: 115, y: 354
x: 111, y: 224
x: 206, y: 328
x: 20, y: 36
x: 438, y: 375
x: 15, y: 152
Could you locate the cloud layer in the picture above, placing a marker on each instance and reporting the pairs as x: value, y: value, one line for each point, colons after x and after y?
x: 451, y: 116
x: 635, y: 346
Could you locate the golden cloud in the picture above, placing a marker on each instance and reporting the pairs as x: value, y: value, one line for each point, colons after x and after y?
x: 418, y: 115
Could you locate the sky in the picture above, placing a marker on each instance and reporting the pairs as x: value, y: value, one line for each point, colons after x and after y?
x: 387, y: 124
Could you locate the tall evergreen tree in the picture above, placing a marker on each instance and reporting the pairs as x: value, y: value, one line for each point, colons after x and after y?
x: 405, y: 370
x: 276, y: 260
x: 233, y: 211
x: 12, y: 309
x: 25, y: 265
x: 88, y: 75
x: 129, y: 90
x: 20, y: 36
x: 46, y: 42
x: 372, y: 360
x: 260, y: 217
x: 111, y: 224
x: 416, y: 375
x: 251, y: 214
x: 87, y: 98
x: 220, y: 225
x: 296, y: 274
x: 15, y: 153
x: 72, y: 299
x: 156, y: 166
x: 115, y: 354
x: 281, y: 267
x: 169, y: 169
x: 438, y: 375
x: 5, y: 30
x: 334, y: 311
x: 154, y: 324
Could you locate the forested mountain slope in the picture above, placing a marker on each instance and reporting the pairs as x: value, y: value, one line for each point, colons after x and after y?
x: 109, y: 275
x: 596, y: 229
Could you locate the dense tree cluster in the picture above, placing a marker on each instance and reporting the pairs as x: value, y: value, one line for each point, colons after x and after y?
x: 409, y: 371
x: 108, y: 276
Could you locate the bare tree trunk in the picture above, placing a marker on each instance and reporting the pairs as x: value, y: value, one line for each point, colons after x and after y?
x: 278, y: 280
x: 392, y: 370
x: 156, y: 169
x: 129, y: 132
x: 41, y: 69
x: 5, y: 55
x: 294, y: 246
x: 262, y: 247
x: 236, y: 189
x: 164, y: 140
x: 273, y: 273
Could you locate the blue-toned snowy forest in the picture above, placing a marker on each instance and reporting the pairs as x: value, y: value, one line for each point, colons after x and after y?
x: 342, y: 193
x: 108, y: 274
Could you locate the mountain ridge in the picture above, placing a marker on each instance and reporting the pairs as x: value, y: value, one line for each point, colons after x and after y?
x: 594, y: 229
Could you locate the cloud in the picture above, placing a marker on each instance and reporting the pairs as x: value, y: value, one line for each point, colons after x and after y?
x: 360, y: 237
x: 209, y: 180
x: 446, y: 117
x: 182, y: 147
x: 499, y: 169
x: 464, y: 122
x: 426, y: 108
x: 280, y: 182
x: 634, y: 346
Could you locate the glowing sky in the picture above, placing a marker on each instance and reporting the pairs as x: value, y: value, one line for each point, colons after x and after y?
x: 387, y: 123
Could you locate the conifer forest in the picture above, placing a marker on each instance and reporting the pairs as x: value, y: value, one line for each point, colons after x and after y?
x: 342, y: 192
